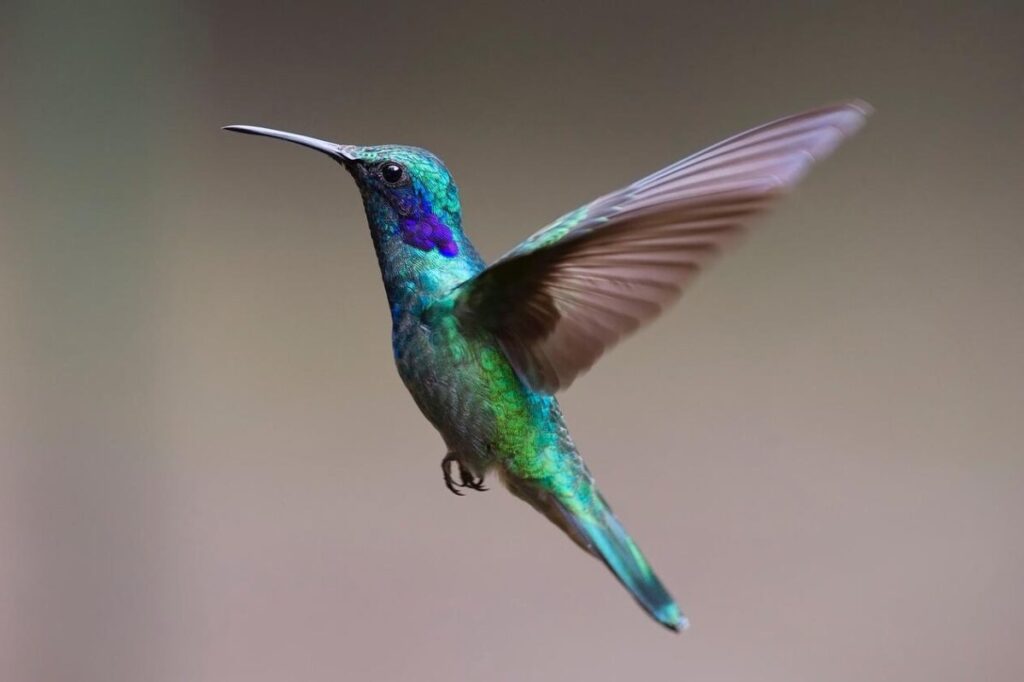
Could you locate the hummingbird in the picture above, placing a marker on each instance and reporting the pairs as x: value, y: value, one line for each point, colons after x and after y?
x: 483, y: 349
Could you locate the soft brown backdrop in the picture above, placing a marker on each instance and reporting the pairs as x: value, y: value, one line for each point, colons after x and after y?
x: 211, y: 472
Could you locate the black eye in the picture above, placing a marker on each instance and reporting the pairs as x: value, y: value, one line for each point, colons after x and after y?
x: 392, y: 172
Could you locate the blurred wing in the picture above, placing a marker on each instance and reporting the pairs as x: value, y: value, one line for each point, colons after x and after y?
x: 568, y: 293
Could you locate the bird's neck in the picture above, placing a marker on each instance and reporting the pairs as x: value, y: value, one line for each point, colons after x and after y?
x: 416, y: 270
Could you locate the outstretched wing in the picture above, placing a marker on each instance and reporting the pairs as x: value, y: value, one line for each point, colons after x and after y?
x: 561, y: 298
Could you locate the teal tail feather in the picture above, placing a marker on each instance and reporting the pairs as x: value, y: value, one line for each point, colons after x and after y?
x: 593, y: 526
x: 599, y: 532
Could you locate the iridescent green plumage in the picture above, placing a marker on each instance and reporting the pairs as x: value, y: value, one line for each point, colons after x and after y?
x: 483, y: 349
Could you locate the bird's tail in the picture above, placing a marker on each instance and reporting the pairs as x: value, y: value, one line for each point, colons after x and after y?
x: 595, y: 529
x: 610, y: 542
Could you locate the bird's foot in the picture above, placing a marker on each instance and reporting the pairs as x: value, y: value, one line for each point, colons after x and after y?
x: 446, y: 469
x: 466, y: 477
x: 471, y: 481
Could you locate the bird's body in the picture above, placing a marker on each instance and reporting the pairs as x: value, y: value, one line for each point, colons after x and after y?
x: 483, y: 349
x: 461, y: 382
x: 489, y: 418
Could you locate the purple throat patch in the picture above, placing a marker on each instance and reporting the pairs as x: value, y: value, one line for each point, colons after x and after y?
x: 429, y: 233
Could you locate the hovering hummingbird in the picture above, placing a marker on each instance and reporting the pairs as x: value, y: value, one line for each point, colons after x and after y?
x: 483, y: 349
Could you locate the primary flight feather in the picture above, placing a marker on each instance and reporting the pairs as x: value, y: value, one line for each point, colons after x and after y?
x: 483, y: 349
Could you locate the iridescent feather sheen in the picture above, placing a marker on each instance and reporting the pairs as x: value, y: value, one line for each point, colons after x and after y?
x: 483, y: 349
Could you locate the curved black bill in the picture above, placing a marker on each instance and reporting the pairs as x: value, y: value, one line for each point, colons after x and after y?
x: 339, y: 152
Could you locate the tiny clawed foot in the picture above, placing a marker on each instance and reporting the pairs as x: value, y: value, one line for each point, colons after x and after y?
x: 470, y: 481
x: 446, y: 469
x: 466, y: 477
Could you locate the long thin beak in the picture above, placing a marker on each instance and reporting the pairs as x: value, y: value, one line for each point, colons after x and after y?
x: 339, y: 152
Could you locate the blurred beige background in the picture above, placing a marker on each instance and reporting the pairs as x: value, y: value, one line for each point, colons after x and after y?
x: 209, y: 470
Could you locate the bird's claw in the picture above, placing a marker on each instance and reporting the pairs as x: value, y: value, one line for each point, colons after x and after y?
x: 466, y: 477
x: 446, y: 469
x: 470, y: 481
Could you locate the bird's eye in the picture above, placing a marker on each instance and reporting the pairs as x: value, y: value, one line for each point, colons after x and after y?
x: 392, y: 172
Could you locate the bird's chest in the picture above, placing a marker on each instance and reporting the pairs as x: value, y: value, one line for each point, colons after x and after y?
x: 443, y: 371
x: 468, y: 390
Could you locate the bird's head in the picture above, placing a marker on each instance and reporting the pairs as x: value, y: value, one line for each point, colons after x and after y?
x: 409, y: 196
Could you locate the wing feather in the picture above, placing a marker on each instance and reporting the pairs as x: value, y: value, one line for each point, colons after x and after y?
x: 565, y: 295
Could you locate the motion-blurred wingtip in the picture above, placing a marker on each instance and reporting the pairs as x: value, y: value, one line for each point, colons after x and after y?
x: 860, y: 105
